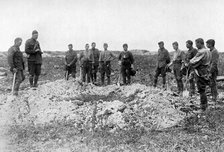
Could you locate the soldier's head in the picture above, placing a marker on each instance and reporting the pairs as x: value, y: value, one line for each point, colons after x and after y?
x: 105, y: 46
x: 199, y: 43
x: 93, y: 45
x: 175, y: 45
x: 161, y: 44
x: 125, y: 47
x: 87, y: 46
x: 35, y: 35
x: 189, y: 44
x: 210, y: 43
x: 18, y: 41
x: 70, y: 46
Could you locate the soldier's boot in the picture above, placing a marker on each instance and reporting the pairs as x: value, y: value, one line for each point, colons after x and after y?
x: 31, y: 81
x: 204, y: 102
x: 36, y: 81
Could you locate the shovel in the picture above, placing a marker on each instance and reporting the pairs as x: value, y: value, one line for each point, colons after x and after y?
x: 186, y: 92
x: 13, y: 83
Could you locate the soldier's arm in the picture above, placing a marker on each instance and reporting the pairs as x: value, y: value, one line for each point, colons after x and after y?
x: 39, y: 47
x: 215, y: 60
x: 28, y: 49
x: 197, y: 58
x: 11, y: 52
x: 100, y: 57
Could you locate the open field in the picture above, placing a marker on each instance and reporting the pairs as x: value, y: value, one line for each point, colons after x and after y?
x: 74, y: 117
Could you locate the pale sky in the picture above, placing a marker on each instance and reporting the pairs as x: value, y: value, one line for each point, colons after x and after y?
x: 140, y: 23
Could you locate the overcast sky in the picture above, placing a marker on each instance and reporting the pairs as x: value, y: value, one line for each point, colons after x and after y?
x: 140, y: 23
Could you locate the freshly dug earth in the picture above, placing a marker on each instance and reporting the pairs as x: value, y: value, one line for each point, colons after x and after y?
x: 90, y: 108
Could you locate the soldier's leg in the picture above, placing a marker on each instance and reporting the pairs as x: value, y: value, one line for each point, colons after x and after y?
x: 213, y: 86
x: 18, y: 81
x: 102, y: 73
x: 37, y: 74
x: 163, y: 73
x: 31, y: 70
x: 73, y: 71
x: 158, y: 71
x: 123, y: 73
x: 128, y: 75
x: 201, y: 85
x: 108, y: 73
x: 84, y: 72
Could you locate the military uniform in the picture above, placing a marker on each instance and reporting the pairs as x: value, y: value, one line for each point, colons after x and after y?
x: 105, y: 67
x: 214, y: 72
x: 190, y: 54
x: 34, y: 60
x: 201, y: 63
x: 86, y: 62
x: 15, y: 60
x: 178, y: 60
x: 127, y: 60
x: 71, y: 59
x: 163, y: 60
x: 96, y: 55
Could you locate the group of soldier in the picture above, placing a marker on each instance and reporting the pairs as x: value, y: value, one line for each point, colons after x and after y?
x: 92, y: 61
x: 199, y: 65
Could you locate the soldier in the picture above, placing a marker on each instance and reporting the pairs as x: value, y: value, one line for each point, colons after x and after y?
x: 16, y: 64
x: 213, y: 68
x: 86, y: 62
x: 96, y: 54
x: 178, y: 63
x: 190, y: 54
x: 104, y: 64
x: 70, y: 61
x: 163, y: 60
x: 201, y: 63
x: 126, y: 61
x: 32, y: 49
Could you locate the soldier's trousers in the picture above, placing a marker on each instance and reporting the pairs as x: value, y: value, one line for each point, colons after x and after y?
x: 178, y: 76
x: 34, y: 72
x: 162, y: 71
x: 19, y: 79
x: 202, y: 82
x: 94, y: 72
x: 105, y: 70
x: 213, y: 84
x: 71, y: 70
x: 125, y: 72
x: 86, y: 68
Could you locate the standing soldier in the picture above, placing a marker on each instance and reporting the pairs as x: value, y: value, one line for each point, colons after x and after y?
x: 190, y: 54
x: 70, y: 62
x: 163, y: 60
x: 104, y: 66
x: 32, y: 49
x: 201, y: 63
x: 16, y: 64
x: 86, y: 59
x: 178, y: 63
x: 96, y: 54
x: 126, y: 61
x: 213, y: 68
